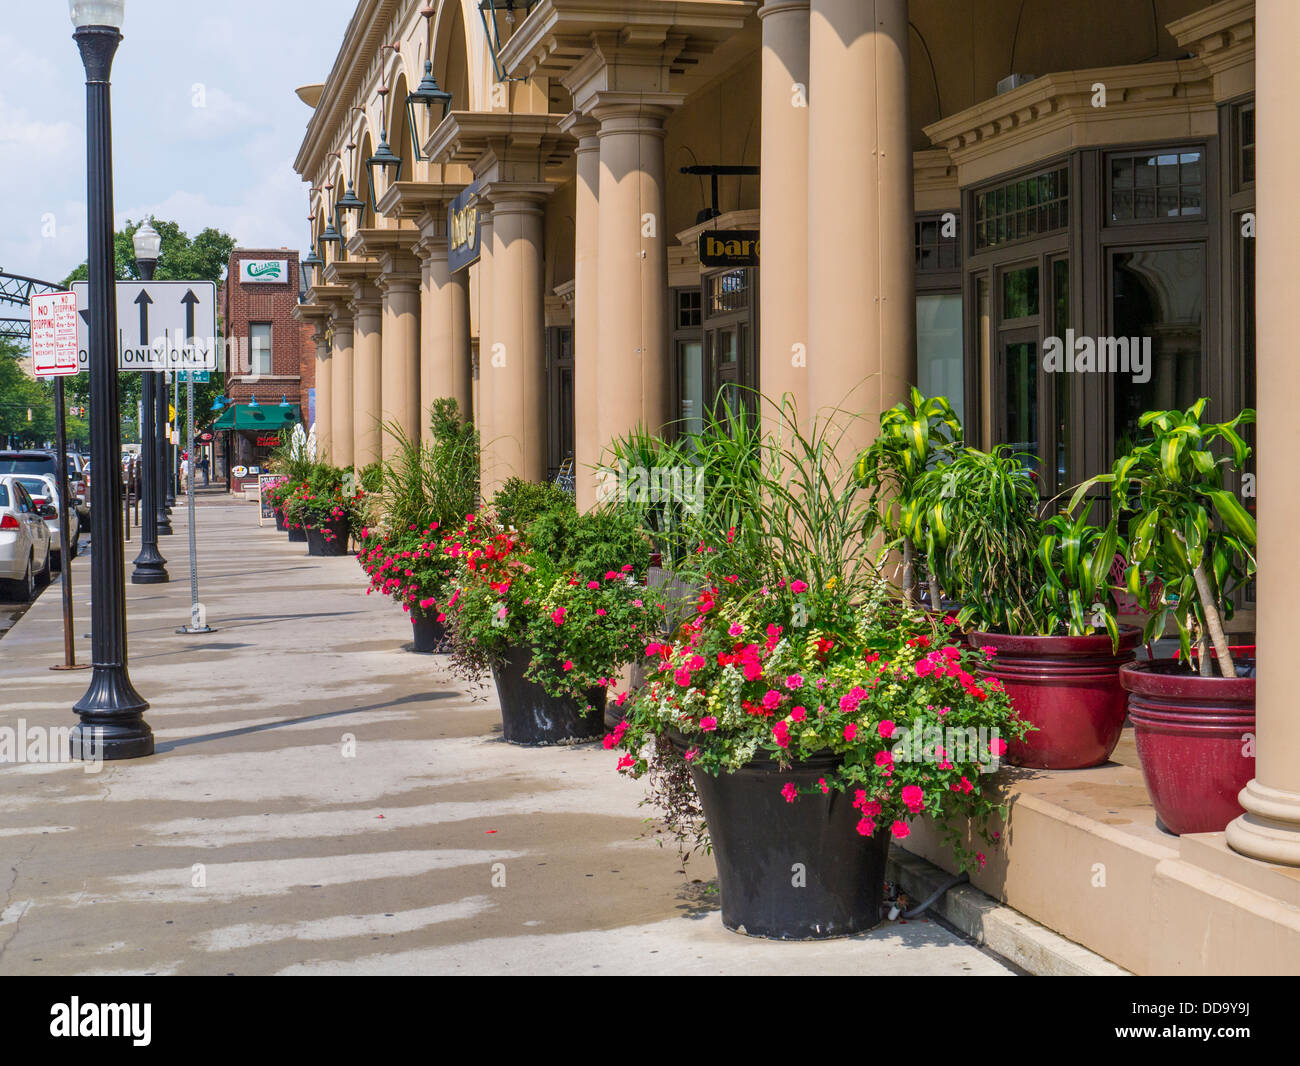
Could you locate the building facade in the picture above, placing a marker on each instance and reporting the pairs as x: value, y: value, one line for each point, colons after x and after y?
x: 950, y: 195
x: 270, y: 361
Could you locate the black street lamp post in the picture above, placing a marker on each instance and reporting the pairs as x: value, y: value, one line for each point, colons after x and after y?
x: 112, y: 712
x: 150, y: 566
x: 160, y: 456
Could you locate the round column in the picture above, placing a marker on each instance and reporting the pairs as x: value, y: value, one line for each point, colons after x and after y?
x: 783, y: 318
x: 400, y: 360
x: 483, y: 413
x: 1270, y: 828
x: 324, y: 393
x: 342, y: 453
x: 513, y: 375
x: 586, y: 310
x: 861, y: 303
x: 366, y: 340
x: 444, y: 332
x: 632, y: 380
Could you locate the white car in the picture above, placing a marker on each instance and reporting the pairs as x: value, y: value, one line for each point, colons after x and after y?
x: 44, y: 492
x: 24, y: 542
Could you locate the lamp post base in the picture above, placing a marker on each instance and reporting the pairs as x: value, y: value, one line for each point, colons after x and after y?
x: 191, y: 630
x: 150, y: 568
x: 95, y: 743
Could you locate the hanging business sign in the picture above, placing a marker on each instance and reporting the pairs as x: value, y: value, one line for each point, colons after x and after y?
x: 463, y: 230
x: 264, y: 271
x: 729, y: 248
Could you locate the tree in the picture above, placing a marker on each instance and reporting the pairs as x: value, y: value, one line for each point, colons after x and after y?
x: 201, y: 258
x: 20, y: 397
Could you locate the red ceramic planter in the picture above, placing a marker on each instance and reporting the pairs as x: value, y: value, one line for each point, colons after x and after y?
x: 1069, y: 688
x: 1192, y: 739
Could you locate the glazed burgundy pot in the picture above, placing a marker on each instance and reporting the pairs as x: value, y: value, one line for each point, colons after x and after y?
x: 1068, y: 688
x: 1195, y: 741
x: 761, y: 841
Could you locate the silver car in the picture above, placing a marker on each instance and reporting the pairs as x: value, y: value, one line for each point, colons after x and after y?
x: 24, y: 543
x: 44, y: 492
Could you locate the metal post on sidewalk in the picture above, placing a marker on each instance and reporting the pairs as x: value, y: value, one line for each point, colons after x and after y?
x: 198, y: 621
x: 65, y: 546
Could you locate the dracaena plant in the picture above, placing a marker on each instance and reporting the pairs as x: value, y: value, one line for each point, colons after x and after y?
x: 916, y: 437
x: 1191, y: 542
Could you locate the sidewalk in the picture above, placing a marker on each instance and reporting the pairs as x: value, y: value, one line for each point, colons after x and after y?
x: 253, y: 843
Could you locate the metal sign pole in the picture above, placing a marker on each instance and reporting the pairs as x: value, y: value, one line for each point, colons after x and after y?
x: 198, y: 623
x: 65, y: 549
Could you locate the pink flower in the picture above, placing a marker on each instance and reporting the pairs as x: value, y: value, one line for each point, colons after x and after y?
x: 900, y: 830
x: 568, y: 664
x: 781, y: 734
x: 789, y: 791
x: 625, y: 762
x: 501, y: 612
x: 794, y: 681
x: 924, y: 668
x: 691, y: 754
x: 886, y: 729
x: 771, y: 699
x: 798, y: 587
x: 850, y: 731
x: 621, y: 699
x: 735, y: 629
x: 557, y: 616
x: 821, y: 783
x: 593, y: 584
x: 884, y: 758
x: 997, y: 746
x: 708, y: 724
x: 653, y: 649
x: 867, y: 827
x: 798, y: 714
x: 682, y: 676
x: 913, y: 797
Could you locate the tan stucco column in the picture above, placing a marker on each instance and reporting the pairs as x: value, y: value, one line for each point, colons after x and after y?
x: 400, y: 348
x: 586, y: 310
x: 367, y: 373
x: 324, y: 392
x: 444, y: 333
x: 1270, y: 828
x: 783, y: 205
x: 632, y: 379
x: 486, y: 427
x: 343, y: 450
x: 861, y: 291
x: 512, y: 371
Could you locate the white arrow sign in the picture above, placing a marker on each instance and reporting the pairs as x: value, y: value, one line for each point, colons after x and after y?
x: 161, y: 325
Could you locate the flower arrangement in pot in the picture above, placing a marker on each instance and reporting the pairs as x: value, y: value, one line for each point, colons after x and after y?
x: 1191, y: 546
x: 327, y: 507
x: 1036, y: 592
x: 807, y: 712
x: 550, y: 602
x: 423, y: 492
x: 294, y: 461
x: 277, y: 495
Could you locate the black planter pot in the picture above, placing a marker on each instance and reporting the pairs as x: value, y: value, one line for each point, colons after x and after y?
x: 328, y: 539
x: 791, y: 871
x: 297, y: 536
x: 531, y: 716
x: 280, y: 522
x: 430, y: 634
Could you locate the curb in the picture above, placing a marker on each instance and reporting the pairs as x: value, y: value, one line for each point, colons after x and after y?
x: 1006, y: 932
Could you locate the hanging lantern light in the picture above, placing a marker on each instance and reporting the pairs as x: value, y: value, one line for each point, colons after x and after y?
x: 499, y: 20
x: 384, y: 159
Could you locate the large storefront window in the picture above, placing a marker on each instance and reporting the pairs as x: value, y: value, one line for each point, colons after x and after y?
x: 940, y: 370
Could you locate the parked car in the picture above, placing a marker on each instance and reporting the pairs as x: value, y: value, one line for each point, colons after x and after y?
x: 76, y: 477
x: 45, y: 493
x: 24, y: 543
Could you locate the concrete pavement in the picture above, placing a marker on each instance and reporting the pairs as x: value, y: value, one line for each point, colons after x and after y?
x: 323, y: 801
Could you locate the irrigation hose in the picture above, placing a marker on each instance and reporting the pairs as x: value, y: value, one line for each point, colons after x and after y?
x: 952, y: 882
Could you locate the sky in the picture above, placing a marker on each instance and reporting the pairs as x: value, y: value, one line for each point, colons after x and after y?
x: 205, y: 122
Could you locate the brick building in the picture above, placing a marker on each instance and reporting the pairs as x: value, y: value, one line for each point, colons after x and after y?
x: 270, y: 372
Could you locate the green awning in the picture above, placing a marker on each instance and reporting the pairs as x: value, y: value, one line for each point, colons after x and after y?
x: 268, y: 417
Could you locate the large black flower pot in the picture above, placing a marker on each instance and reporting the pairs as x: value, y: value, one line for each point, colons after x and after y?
x: 297, y: 535
x: 791, y: 871
x: 430, y: 634
x: 331, y: 538
x: 280, y: 522
x: 531, y: 716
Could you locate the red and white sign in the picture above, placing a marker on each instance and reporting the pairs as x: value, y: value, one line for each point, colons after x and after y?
x: 54, y: 334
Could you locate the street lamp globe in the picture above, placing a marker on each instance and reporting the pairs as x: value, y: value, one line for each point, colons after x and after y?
x: 148, y: 243
x: 97, y: 13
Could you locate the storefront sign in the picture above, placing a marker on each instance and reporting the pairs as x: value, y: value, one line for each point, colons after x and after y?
x: 264, y: 272
x: 463, y: 230
x: 264, y: 482
x: 239, y: 471
x: 729, y: 248
x: 271, y: 440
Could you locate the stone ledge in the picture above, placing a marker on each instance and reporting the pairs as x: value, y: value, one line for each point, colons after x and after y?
x: 1010, y: 934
